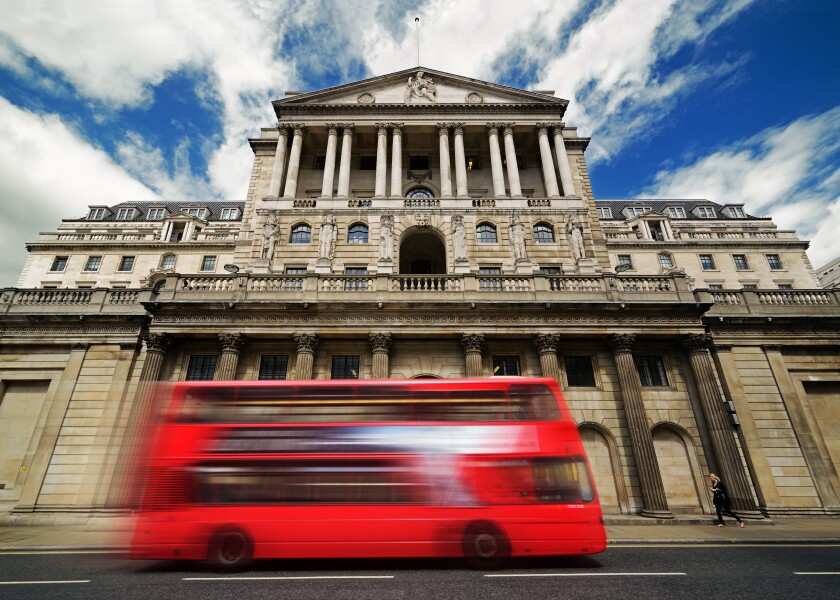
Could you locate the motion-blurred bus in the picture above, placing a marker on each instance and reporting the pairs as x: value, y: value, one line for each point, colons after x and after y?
x: 483, y: 469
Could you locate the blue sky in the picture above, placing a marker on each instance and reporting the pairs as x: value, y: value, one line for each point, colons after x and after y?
x: 106, y: 101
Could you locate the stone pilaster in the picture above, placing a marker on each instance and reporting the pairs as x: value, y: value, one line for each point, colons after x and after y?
x: 647, y: 467
x: 547, y: 344
x: 232, y: 344
x: 306, y: 344
x: 380, y: 345
x: 472, y: 344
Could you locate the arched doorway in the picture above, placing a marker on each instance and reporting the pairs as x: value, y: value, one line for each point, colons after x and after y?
x: 422, y: 253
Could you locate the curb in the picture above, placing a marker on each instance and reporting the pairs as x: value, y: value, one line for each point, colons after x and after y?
x: 732, y: 541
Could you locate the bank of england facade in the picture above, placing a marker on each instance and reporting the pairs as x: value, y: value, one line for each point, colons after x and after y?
x: 423, y: 224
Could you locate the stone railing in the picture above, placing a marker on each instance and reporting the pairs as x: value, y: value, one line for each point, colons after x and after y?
x: 426, y: 283
x: 421, y: 203
x: 75, y: 301
x: 772, y: 303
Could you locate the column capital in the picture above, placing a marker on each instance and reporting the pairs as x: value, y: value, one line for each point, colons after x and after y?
x: 157, y: 342
x: 346, y: 127
x: 542, y: 128
x: 332, y: 128
x: 546, y: 342
x: 397, y: 127
x: 283, y: 128
x: 472, y: 342
x: 697, y: 343
x: 232, y: 342
x: 380, y: 342
x: 493, y: 128
x: 621, y: 342
x: 382, y: 128
x: 306, y: 342
x: 508, y: 127
x: 458, y: 128
x: 443, y: 128
x: 298, y: 129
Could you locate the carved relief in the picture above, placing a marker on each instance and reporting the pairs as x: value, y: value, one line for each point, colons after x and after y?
x: 232, y: 342
x: 474, y: 98
x: 306, y: 342
x: 575, y: 231
x: 621, y: 342
x: 421, y: 219
x: 386, y: 238
x: 326, y: 249
x: 472, y: 342
x: 420, y: 87
x: 697, y: 343
x: 517, y: 238
x: 366, y: 98
x: 459, y: 240
x: 380, y: 342
x: 546, y: 342
x: 271, y: 230
x: 157, y: 342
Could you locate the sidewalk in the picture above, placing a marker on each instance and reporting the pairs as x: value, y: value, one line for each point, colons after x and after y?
x: 113, y: 533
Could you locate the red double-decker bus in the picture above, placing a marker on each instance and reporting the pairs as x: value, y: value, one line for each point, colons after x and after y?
x: 482, y: 469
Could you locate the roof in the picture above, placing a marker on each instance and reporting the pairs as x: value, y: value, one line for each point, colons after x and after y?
x: 660, y: 206
x: 214, y: 208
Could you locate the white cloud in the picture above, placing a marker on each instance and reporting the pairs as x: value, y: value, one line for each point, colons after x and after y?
x: 48, y: 172
x: 786, y: 172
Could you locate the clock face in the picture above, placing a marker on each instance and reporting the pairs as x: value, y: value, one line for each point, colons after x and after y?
x: 419, y: 192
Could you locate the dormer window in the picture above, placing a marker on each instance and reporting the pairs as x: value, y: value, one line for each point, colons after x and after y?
x: 635, y: 211
x: 155, y: 214
x: 125, y: 214
x: 96, y: 214
x: 736, y: 212
x: 706, y: 212
x: 676, y: 212
x: 230, y: 214
x: 195, y: 212
x: 604, y: 212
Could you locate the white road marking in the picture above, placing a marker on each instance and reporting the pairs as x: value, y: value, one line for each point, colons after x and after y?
x: 44, y: 582
x: 295, y: 577
x: 817, y: 573
x: 584, y: 574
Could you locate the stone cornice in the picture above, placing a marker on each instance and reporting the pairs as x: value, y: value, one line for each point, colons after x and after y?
x: 408, y: 109
x: 115, y: 245
x: 711, y: 244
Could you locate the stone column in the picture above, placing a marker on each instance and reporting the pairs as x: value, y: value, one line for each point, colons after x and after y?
x: 550, y: 178
x: 232, y: 344
x: 279, y: 160
x: 306, y: 344
x: 717, y: 421
x: 329, y: 161
x: 547, y: 344
x: 380, y: 345
x: 445, y: 174
x: 512, y: 165
x: 396, y: 161
x: 496, y: 160
x: 563, y: 161
x: 647, y: 467
x: 294, y: 163
x: 381, y: 160
x: 472, y: 343
x: 462, y: 189
x: 344, y: 167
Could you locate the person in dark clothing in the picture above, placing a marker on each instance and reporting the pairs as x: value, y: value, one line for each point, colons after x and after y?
x: 722, y: 502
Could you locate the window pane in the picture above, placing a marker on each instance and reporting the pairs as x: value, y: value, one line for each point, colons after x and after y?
x: 301, y: 234
x: 774, y: 261
x: 579, y: 371
x: 665, y: 261
x: 707, y: 262
x: 127, y: 263
x: 358, y: 234
x: 604, y: 213
x: 59, y: 263
x: 651, y: 371
x: 202, y: 367
x: 740, y: 261
x: 624, y: 259
x: 208, y: 263
x: 345, y: 367
x: 486, y: 234
x: 505, y: 365
x: 93, y: 263
x: 168, y: 261
x: 273, y: 366
x: 543, y: 234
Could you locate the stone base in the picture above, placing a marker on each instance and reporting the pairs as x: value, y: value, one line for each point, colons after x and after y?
x: 657, y: 514
x: 323, y: 266
x: 524, y: 267
x: 385, y: 267
x: 587, y: 266
x: 260, y: 266
x: 462, y: 268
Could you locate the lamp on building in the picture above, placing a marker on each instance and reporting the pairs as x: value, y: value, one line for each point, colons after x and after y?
x: 623, y: 267
x: 232, y: 268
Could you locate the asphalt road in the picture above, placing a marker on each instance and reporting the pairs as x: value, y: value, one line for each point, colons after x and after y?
x: 731, y: 572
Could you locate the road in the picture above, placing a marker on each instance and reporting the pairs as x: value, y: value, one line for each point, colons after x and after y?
x: 711, y: 572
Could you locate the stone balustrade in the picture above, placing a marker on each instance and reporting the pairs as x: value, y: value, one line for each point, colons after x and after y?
x: 74, y: 301
x: 771, y: 303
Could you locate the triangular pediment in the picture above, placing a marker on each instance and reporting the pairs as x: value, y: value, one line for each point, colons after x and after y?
x: 419, y: 86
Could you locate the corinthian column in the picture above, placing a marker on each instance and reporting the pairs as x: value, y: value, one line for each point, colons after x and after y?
x: 380, y: 345
x: 512, y: 165
x: 344, y: 167
x: 717, y: 420
x: 329, y: 161
x: 563, y: 161
x: 496, y: 160
x: 232, y: 344
x: 647, y: 467
x: 396, y: 160
x: 445, y: 174
x: 306, y: 345
x: 472, y: 343
x: 381, y: 159
x: 279, y: 160
x: 294, y: 163
x: 460, y: 162
x: 546, y: 344
x: 551, y: 189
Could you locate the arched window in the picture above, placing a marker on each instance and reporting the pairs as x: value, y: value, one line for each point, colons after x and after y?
x: 358, y: 234
x: 301, y: 234
x: 419, y: 192
x: 543, y: 233
x: 167, y: 261
x: 486, y: 233
x: 666, y: 261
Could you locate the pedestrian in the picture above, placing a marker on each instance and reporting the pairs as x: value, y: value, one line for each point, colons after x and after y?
x: 722, y: 502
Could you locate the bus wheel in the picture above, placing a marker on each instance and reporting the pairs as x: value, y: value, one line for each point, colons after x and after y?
x: 486, y: 547
x: 230, y: 549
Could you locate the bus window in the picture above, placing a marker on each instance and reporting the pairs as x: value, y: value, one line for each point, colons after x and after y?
x: 562, y: 480
x: 533, y: 402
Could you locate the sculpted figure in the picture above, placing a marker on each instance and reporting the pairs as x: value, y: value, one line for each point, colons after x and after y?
x: 420, y: 87
x: 269, y: 238
x: 517, y: 238
x: 575, y: 231
x: 459, y: 239
x: 386, y: 238
x: 328, y: 230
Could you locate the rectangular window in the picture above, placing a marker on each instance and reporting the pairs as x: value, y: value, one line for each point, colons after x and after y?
x: 651, y: 371
x: 740, y: 261
x: 505, y: 365
x: 749, y: 286
x: 676, y: 212
x: 208, y: 263
x: 635, y: 211
x: 666, y: 261
x: 737, y: 212
x: 359, y: 282
x: 715, y: 286
x: 604, y: 212
x: 320, y: 163
x: 549, y: 271
x: 785, y: 286
x: 92, y: 264
x: 155, y: 214
x: 273, y: 366
x: 473, y: 164
x: 345, y: 367
x: 706, y: 212
x: 707, y: 261
x: 96, y: 214
x: 202, y: 367
x: 367, y: 163
x: 774, y: 261
x: 579, y: 371
x: 168, y: 261
x: 126, y: 263
x: 490, y: 282
x: 59, y: 263
x: 195, y: 212
x: 229, y: 214
x: 125, y: 214
x: 418, y: 163
x: 625, y: 261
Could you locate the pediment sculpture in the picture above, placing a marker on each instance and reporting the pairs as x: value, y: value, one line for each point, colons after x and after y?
x: 420, y: 86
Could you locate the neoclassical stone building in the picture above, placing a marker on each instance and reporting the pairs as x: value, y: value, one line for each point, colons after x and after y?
x: 422, y: 224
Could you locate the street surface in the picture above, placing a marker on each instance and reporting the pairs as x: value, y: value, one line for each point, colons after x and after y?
x: 700, y: 571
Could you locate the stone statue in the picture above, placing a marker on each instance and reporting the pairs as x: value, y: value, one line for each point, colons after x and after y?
x: 269, y: 238
x: 517, y: 238
x: 575, y: 231
x: 420, y: 87
x: 328, y: 231
x: 459, y: 239
x: 386, y: 238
